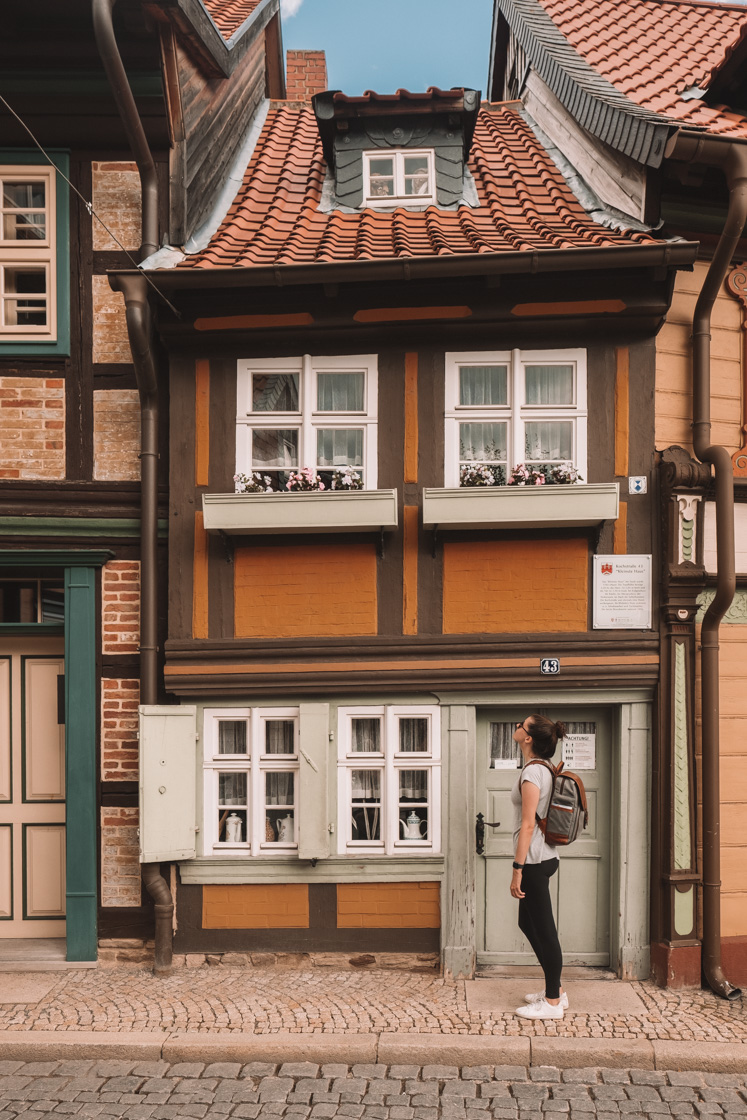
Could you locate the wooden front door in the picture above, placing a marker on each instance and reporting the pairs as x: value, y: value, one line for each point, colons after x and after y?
x: 581, y: 888
x: 32, y: 790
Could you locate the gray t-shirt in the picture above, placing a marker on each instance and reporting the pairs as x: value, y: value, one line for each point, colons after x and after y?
x: 541, y: 777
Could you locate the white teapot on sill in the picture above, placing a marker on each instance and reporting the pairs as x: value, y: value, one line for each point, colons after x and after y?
x: 412, y: 827
x: 286, y: 830
x: 233, y: 829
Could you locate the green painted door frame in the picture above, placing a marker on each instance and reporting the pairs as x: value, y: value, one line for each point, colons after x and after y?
x: 81, y: 721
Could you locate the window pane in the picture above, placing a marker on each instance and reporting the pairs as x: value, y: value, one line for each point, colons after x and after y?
x: 366, y: 735
x: 279, y: 736
x: 366, y: 808
x: 416, y: 175
x: 232, y: 826
x: 22, y: 224
x: 26, y: 282
x: 413, y: 734
x: 483, y: 385
x: 231, y: 736
x: 340, y: 392
x: 279, y: 789
x: 549, y: 441
x: 275, y: 392
x: 366, y: 785
x: 232, y: 789
x: 483, y: 443
x: 413, y: 785
x: 24, y: 196
x: 275, y: 447
x: 339, y: 447
x: 52, y: 602
x: 18, y: 602
x: 503, y: 749
x: 383, y: 166
x: 549, y: 385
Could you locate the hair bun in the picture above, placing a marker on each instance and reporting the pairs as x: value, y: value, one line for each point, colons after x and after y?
x: 560, y: 730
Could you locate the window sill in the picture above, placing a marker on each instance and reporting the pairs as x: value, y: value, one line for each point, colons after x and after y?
x: 351, y: 868
x: 301, y: 512
x: 538, y: 507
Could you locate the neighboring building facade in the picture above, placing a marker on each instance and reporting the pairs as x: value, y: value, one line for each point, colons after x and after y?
x: 405, y: 288
x: 590, y: 76
x: 70, y: 422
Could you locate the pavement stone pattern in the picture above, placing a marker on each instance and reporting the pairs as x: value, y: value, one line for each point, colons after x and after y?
x: 266, y: 1001
x: 133, y: 1090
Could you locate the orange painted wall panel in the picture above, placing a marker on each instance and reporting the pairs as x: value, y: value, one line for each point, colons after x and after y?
x: 308, y: 590
x: 515, y: 586
x: 388, y: 906
x: 275, y: 906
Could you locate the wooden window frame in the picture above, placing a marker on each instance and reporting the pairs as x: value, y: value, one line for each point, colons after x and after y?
x: 399, y: 198
x: 515, y: 413
x: 40, y: 254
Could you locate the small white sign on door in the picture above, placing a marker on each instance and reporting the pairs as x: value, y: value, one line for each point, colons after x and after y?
x: 622, y: 592
x: 579, y: 752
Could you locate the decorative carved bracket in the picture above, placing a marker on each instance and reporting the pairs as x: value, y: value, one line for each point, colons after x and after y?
x: 736, y: 282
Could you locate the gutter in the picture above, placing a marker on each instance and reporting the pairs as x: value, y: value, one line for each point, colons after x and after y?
x: 731, y: 158
x: 135, y: 290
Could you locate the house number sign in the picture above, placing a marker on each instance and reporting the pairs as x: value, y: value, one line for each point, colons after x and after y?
x: 550, y: 666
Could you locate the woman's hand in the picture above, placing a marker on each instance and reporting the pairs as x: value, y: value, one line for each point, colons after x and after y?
x: 516, y: 890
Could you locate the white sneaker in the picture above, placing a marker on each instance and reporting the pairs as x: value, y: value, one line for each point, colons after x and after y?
x: 541, y: 1010
x: 535, y: 997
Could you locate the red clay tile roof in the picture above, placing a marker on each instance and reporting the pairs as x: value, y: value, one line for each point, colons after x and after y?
x: 525, y: 204
x: 652, y: 50
x: 228, y: 15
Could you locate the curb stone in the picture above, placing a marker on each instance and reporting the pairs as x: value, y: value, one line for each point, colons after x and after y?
x: 385, y: 1048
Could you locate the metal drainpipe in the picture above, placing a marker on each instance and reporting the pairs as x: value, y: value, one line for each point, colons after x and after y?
x: 732, y: 159
x: 137, y: 309
x: 106, y: 42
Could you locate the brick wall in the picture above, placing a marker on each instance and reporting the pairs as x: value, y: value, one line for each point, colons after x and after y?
x: 119, y: 729
x: 120, y: 863
x: 388, y: 906
x: 305, y: 591
x: 120, y: 609
x: 110, y: 342
x: 279, y: 906
x: 306, y: 74
x: 116, y: 200
x: 492, y: 587
x: 116, y: 434
x: 32, y: 427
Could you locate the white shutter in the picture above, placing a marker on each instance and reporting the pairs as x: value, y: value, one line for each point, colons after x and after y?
x: 167, y: 782
x: 313, y: 832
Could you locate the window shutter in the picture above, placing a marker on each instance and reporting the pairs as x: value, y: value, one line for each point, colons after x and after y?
x: 313, y: 832
x: 167, y: 782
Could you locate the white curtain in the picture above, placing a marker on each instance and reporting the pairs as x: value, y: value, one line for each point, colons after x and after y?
x: 232, y: 789
x: 413, y: 784
x: 502, y: 745
x: 279, y: 736
x: 366, y: 785
x: 483, y: 385
x: 482, y: 443
x: 231, y: 736
x: 549, y: 385
x: 413, y: 734
x: 549, y: 441
x: 279, y: 789
x: 340, y: 392
x: 339, y: 447
x: 366, y: 735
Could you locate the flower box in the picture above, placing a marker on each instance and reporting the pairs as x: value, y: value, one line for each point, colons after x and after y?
x: 536, y: 507
x: 328, y: 511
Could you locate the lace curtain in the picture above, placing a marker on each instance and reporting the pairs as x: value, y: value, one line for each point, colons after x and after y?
x: 279, y: 789
x: 366, y: 735
x: 413, y: 734
x: 279, y: 736
x: 413, y: 785
x: 483, y: 385
x: 549, y: 441
x: 549, y: 385
x: 366, y: 785
x: 232, y: 736
x: 232, y: 789
x: 339, y: 447
x: 482, y: 443
x: 340, y: 392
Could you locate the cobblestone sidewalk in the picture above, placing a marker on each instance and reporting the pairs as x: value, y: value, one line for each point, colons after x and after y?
x: 265, y: 1001
x: 303, y: 1091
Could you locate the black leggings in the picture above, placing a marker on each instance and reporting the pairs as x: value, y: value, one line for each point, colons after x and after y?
x: 537, y: 923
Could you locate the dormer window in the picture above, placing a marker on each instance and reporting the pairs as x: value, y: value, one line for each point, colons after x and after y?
x: 398, y: 177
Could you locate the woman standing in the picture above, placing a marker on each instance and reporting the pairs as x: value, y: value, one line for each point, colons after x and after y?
x: 536, y: 861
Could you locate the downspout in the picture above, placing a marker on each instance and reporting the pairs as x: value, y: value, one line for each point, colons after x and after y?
x: 106, y: 42
x: 732, y: 160
x: 139, y: 330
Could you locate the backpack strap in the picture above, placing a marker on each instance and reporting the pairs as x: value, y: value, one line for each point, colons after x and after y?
x: 554, y: 770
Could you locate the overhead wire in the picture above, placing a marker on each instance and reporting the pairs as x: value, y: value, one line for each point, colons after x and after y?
x: 89, y: 207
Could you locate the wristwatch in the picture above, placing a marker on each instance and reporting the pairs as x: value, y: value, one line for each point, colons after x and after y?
x: 517, y: 866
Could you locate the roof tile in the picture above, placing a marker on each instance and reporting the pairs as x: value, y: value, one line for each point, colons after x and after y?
x: 228, y: 15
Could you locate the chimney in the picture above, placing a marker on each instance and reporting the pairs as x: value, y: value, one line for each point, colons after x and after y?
x: 306, y: 74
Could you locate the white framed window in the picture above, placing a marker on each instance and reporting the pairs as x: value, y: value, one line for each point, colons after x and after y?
x: 251, y: 773
x: 516, y: 406
x: 315, y: 412
x: 28, y: 294
x: 389, y: 780
x: 399, y: 177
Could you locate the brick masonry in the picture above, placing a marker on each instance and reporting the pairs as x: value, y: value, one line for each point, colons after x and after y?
x: 116, y: 435
x: 119, y: 729
x: 32, y: 427
x: 110, y: 343
x: 388, y: 905
x: 120, y: 609
x: 120, y: 863
x: 306, y: 74
x: 116, y: 200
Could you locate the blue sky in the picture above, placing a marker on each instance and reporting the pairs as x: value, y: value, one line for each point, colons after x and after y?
x: 388, y: 44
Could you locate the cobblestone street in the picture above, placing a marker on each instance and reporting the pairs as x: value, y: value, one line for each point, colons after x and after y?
x: 145, y: 1090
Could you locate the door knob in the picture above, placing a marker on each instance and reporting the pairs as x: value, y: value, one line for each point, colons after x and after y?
x: 480, y: 825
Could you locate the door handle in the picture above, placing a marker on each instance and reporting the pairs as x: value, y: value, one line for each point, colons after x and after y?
x: 480, y: 825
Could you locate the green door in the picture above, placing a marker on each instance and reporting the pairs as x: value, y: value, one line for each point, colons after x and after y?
x: 581, y: 888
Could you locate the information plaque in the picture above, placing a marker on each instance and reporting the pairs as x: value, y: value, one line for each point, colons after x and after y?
x: 622, y: 593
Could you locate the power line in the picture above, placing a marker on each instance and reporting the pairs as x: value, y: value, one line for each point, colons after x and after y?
x: 89, y: 207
